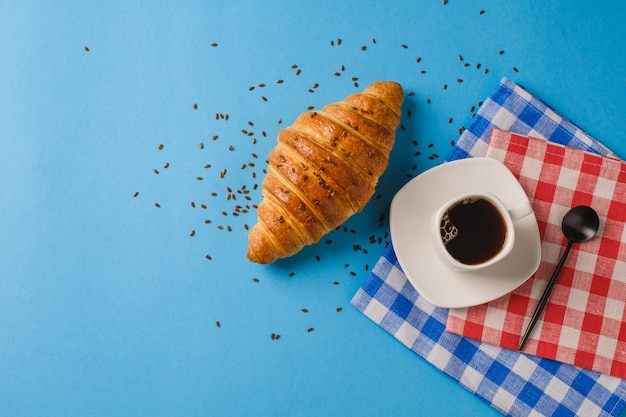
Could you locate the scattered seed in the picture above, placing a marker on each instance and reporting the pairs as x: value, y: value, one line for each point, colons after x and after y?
x: 515, y: 69
x: 255, y: 279
x: 136, y: 193
x: 363, y: 48
x: 214, y: 44
x: 500, y: 52
x: 208, y: 257
x: 310, y: 329
x: 459, y: 80
x: 160, y: 146
x: 86, y: 48
x: 157, y: 205
x: 195, y: 106
x: 404, y: 46
x: 305, y: 310
x: 192, y: 233
x: 338, y: 309
x: 481, y: 12
x: 156, y: 171
x: 218, y: 324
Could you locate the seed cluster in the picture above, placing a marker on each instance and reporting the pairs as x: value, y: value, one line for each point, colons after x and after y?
x: 230, y: 189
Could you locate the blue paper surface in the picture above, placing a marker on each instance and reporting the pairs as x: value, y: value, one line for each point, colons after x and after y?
x: 108, y: 305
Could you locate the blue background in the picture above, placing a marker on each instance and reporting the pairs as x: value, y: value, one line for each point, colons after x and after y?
x: 109, y: 307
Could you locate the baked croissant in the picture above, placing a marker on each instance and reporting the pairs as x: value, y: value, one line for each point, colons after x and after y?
x: 324, y: 169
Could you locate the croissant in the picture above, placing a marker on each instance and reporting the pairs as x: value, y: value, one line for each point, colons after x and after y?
x: 324, y: 169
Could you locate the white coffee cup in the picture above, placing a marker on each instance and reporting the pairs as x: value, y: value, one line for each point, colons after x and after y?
x: 484, y: 232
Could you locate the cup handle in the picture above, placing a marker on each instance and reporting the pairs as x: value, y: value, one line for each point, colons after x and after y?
x: 520, y: 211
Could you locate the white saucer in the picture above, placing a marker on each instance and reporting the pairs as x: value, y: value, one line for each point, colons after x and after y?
x: 412, y: 210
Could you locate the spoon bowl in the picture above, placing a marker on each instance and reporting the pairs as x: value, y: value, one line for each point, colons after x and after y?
x: 579, y: 224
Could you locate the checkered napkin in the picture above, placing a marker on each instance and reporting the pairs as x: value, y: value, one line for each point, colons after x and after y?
x: 585, y: 319
x: 514, y: 383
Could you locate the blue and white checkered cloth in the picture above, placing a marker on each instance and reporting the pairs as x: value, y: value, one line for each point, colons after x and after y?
x: 514, y: 383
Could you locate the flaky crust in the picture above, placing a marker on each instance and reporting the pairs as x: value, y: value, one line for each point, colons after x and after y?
x: 324, y: 169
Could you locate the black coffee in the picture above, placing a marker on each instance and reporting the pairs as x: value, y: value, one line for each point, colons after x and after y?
x: 479, y: 231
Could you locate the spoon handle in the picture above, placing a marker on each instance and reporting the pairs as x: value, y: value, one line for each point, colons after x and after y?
x: 544, y: 297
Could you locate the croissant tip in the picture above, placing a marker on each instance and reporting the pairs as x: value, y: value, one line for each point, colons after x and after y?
x: 259, y: 259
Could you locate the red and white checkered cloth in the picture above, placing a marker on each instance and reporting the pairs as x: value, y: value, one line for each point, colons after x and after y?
x: 584, y: 322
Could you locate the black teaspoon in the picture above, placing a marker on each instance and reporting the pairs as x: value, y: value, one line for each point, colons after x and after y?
x: 579, y: 224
